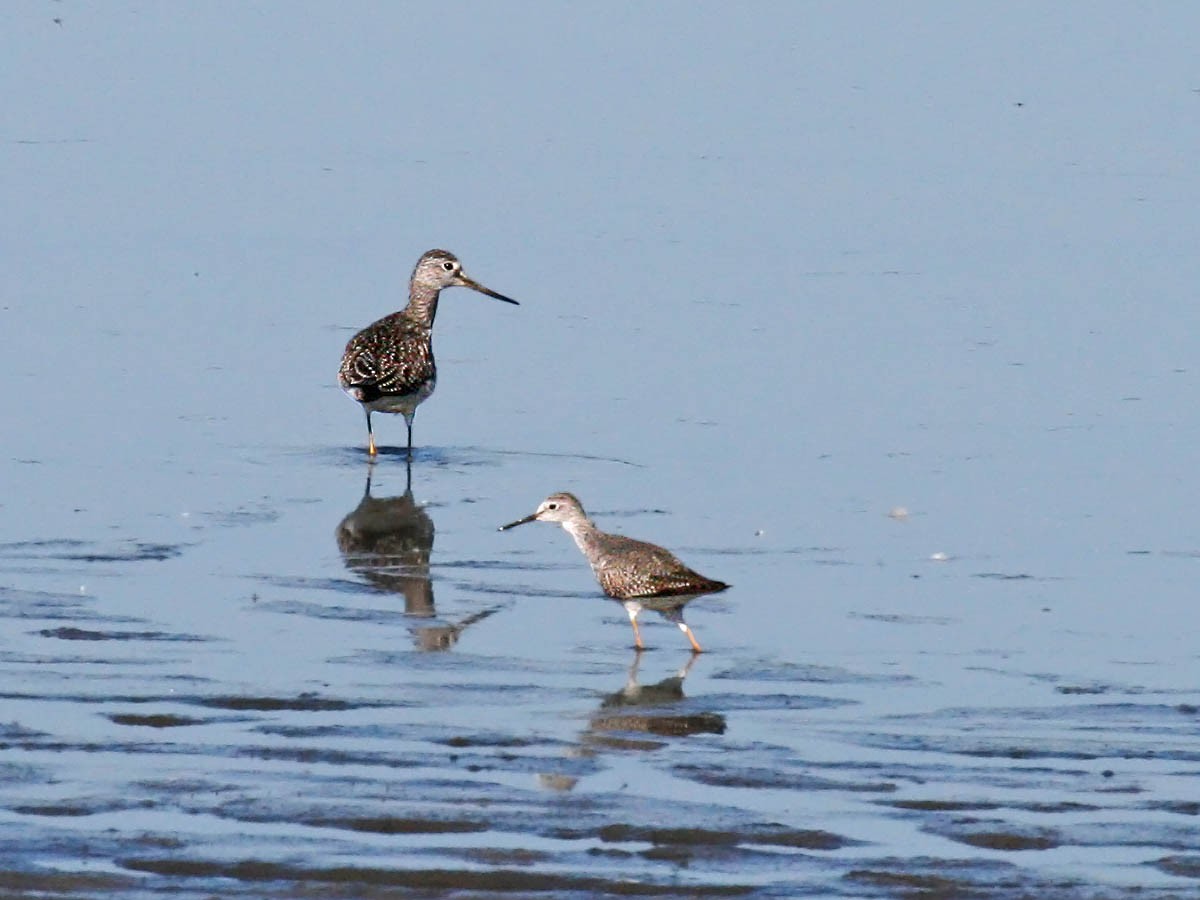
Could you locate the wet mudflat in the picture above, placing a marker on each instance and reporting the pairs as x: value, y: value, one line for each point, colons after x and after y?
x: 895, y: 337
x: 398, y: 711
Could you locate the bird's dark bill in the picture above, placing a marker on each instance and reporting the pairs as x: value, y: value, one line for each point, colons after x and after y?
x: 528, y: 518
x: 476, y: 286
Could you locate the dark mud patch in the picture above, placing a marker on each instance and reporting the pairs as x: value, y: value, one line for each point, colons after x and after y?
x: 496, y: 880
x: 337, y: 732
x: 493, y: 856
x: 927, y: 878
x: 622, y: 744
x: 300, y: 703
x: 15, y: 885
x: 718, y: 856
x: 1083, y: 689
x: 1008, y: 840
x: 83, y: 807
x: 85, y: 634
x: 65, y: 811
x: 400, y: 825
x: 1064, y: 806
x: 940, y: 805
x: 763, y: 835
x: 910, y: 884
x: 160, y: 720
x: 1181, y: 866
x: 492, y: 739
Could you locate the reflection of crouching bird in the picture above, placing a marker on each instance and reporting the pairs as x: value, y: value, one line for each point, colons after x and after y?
x: 638, y: 574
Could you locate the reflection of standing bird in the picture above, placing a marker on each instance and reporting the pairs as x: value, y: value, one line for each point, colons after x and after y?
x: 640, y: 575
x: 647, y: 709
x: 388, y: 366
x: 388, y: 541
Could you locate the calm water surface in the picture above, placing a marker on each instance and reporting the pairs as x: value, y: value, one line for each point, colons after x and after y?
x: 884, y: 315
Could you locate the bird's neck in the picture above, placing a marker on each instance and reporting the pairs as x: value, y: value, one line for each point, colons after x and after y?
x: 422, y: 304
x: 582, y: 530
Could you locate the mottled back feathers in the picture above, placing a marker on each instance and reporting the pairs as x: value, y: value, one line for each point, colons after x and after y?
x: 393, y: 356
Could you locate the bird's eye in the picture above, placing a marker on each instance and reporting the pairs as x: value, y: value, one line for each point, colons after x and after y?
x: 448, y: 266
x: 552, y: 506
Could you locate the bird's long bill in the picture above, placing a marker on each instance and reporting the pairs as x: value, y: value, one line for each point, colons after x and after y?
x: 528, y: 518
x: 474, y: 285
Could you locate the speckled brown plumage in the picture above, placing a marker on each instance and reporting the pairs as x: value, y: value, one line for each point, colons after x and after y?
x: 639, y: 574
x: 392, y: 356
x: 629, y: 569
x: 389, y: 365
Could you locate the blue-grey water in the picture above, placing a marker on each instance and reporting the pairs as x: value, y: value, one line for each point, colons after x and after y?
x: 885, y: 313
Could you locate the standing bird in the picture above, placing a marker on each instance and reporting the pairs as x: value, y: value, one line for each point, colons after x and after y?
x: 638, y: 574
x: 388, y: 366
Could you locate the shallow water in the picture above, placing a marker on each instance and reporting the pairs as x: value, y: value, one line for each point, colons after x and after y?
x: 888, y: 331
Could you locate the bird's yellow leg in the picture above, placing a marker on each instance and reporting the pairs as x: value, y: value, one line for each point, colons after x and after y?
x: 637, y: 634
x: 370, y: 435
x: 696, y: 648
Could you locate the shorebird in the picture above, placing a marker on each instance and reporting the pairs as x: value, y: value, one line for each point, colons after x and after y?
x: 388, y: 366
x: 638, y: 574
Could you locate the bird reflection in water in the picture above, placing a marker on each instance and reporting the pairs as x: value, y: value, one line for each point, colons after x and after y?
x: 638, y: 717
x: 388, y: 540
x: 646, y: 709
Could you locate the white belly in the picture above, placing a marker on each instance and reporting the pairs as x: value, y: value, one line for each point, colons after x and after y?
x: 404, y: 404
